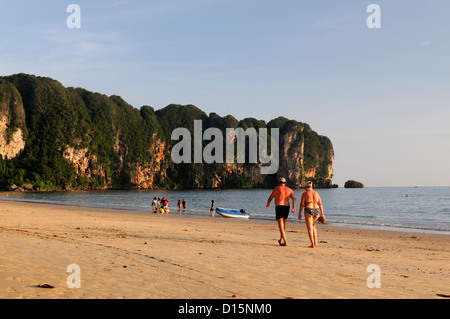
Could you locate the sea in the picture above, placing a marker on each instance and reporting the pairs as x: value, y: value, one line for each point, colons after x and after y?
x: 409, y: 209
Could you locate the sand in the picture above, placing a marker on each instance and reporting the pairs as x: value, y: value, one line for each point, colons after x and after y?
x: 135, y: 255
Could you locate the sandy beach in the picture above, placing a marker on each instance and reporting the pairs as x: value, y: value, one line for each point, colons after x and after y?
x: 135, y: 255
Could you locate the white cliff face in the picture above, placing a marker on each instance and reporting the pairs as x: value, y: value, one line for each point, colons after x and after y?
x: 16, y: 144
x: 78, y: 158
x: 291, y: 157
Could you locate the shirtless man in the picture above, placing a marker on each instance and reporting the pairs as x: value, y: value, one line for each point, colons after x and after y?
x: 281, y: 193
x: 312, y: 204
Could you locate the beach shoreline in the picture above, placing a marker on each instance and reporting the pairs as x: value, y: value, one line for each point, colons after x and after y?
x: 139, y: 256
x: 372, y: 210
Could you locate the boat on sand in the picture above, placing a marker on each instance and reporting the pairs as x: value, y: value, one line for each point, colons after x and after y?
x: 232, y: 213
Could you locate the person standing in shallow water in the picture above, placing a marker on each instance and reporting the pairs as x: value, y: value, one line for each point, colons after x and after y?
x: 282, y: 194
x: 312, y: 203
x: 211, y: 210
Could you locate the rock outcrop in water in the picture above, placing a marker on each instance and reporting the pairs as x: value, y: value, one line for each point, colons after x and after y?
x: 52, y: 137
x: 353, y: 184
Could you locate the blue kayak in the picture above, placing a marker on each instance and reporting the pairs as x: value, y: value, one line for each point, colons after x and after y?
x: 232, y: 213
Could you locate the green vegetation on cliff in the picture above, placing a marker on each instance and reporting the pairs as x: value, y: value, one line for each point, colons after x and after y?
x: 122, y: 145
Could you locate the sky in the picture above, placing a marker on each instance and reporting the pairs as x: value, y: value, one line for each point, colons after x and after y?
x: 380, y: 94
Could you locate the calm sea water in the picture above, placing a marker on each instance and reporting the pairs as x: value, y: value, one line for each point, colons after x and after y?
x: 421, y: 209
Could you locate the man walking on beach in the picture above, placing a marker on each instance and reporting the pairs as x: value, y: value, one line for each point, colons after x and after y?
x: 281, y: 193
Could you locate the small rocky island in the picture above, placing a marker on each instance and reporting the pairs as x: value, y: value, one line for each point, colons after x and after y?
x: 353, y: 184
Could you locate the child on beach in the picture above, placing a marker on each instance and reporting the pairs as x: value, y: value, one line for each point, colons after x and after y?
x: 164, y: 206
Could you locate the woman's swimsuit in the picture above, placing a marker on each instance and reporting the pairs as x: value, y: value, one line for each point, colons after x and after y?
x: 313, y: 212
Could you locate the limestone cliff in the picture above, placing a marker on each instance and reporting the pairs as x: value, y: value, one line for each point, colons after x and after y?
x: 11, y: 145
x: 54, y: 137
x: 145, y: 175
x: 12, y: 141
x: 291, y: 157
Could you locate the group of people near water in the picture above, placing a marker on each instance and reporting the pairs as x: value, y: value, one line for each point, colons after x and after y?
x: 161, y: 205
x: 311, y: 203
x: 181, y: 204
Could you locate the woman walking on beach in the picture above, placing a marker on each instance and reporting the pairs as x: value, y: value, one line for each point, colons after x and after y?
x: 312, y: 204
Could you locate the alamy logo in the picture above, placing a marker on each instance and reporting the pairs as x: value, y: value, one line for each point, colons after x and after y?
x: 74, y: 279
x: 374, y: 279
x: 214, y: 151
x: 74, y: 20
x: 374, y: 20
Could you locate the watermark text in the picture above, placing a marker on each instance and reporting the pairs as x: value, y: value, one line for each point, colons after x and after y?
x: 235, y: 138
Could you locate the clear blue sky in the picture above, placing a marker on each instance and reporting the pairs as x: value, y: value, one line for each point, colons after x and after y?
x: 381, y: 95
